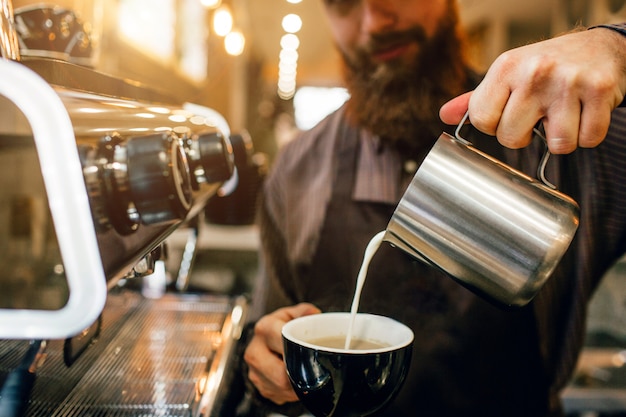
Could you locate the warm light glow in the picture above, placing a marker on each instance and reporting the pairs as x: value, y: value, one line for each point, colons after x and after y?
x: 148, y: 27
x: 192, y: 40
x: 182, y: 112
x: 160, y: 110
x: 287, y: 65
x: 288, y: 55
x: 292, y: 23
x: 294, y: 1
x: 120, y: 104
x: 287, y: 85
x: 285, y: 95
x: 234, y: 43
x: 177, y: 118
x: 290, y: 42
x: 222, y: 21
x: 211, y: 4
x: 312, y: 104
x: 197, y: 120
x: 90, y: 110
x: 237, y: 314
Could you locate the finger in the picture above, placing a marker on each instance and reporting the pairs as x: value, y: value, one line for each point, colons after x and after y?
x: 452, y: 112
x: 490, y: 97
x: 267, y: 373
x: 562, y: 125
x: 289, y: 313
x: 273, y: 392
x: 269, y: 328
x: 594, y: 125
x: 518, y: 119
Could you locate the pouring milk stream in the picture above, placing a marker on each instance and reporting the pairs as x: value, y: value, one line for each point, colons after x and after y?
x: 370, y: 250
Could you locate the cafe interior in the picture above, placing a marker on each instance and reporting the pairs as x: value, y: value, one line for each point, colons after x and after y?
x: 172, y: 258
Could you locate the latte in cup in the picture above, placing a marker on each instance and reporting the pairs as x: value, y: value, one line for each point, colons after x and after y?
x: 338, y: 342
x: 347, y: 364
x: 333, y: 381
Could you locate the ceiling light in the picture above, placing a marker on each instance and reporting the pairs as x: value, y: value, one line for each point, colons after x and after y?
x: 288, y: 55
x: 211, y: 4
x: 222, y: 21
x: 290, y: 42
x: 287, y: 67
x: 292, y: 23
x: 234, y: 43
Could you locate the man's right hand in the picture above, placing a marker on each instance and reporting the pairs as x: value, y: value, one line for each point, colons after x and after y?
x: 264, y: 354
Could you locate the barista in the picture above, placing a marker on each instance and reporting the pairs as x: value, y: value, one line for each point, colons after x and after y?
x: 337, y: 185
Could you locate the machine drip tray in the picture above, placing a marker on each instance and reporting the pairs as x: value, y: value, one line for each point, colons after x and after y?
x: 152, y: 358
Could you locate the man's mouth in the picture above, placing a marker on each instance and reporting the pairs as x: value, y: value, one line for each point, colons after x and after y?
x: 390, y: 52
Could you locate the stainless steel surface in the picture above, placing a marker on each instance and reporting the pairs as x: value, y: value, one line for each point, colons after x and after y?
x: 149, y: 360
x: 133, y: 169
x: 146, y: 154
x: 494, y: 229
x: 53, y: 31
x: 55, y: 238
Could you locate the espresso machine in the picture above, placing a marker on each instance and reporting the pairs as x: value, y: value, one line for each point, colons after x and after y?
x: 97, y: 173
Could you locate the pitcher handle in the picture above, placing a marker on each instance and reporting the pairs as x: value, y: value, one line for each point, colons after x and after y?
x: 541, y: 169
x: 457, y: 132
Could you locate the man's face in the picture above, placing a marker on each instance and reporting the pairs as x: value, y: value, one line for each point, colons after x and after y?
x: 402, y: 60
x: 382, y: 28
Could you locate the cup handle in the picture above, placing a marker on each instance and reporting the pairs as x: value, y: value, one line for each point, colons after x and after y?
x: 541, y: 169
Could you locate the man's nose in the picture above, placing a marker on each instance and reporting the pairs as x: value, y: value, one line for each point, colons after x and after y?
x: 378, y: 15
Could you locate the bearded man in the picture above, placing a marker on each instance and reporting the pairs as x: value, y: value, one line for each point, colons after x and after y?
x: 337, y: 185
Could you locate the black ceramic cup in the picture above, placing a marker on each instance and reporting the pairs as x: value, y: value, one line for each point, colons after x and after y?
x: 333, y: 381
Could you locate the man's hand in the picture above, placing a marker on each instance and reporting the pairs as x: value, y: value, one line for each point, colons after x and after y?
x: 571, y: 83
x: 264, y: 354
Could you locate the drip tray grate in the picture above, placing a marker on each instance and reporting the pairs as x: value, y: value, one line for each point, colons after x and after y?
x: 148, y: 367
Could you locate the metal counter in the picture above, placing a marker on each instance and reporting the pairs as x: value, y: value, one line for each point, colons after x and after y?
x: 161, y: 357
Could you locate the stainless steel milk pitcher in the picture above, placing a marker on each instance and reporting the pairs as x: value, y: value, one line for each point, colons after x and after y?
x: 496, y: 230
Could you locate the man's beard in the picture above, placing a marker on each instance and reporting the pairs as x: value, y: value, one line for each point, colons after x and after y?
x: 400, y: 102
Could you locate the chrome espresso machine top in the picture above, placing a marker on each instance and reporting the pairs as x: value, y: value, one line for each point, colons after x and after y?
x: 95, y: 174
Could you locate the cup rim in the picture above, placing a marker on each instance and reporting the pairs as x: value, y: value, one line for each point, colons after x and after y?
x: 406, y: 335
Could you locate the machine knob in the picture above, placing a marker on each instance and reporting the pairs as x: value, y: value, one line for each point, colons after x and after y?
x: 112, y: 163
x: 159, y: 178
x: 216, y: 157
x: 95, y: 188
